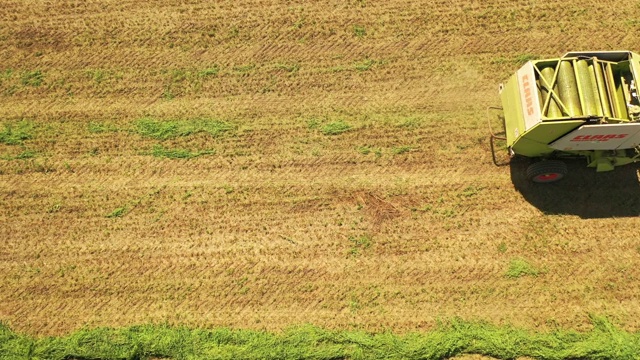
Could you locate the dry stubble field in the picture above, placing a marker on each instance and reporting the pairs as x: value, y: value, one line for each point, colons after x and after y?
x: 341, y: 177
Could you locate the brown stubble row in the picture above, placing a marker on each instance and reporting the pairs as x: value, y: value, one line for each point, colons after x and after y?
x: 175, y: 36
x: 239, y: 258
x: 285, y: 225
x: 420, y: 263
x: 183, y: 35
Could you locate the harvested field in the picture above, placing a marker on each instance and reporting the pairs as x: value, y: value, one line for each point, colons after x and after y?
x: 260, y: 164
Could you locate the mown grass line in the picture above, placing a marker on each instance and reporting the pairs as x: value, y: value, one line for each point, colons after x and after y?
x: 604, y: 341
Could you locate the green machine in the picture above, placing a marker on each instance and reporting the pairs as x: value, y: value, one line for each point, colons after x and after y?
x: 582, y: 104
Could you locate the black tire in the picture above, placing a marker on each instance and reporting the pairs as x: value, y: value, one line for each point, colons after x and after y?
x: 546, y: 171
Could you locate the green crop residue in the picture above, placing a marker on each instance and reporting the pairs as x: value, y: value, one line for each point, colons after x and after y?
x: 359, y: 31
x: 32, y: 78
x: 161, y: 151
x: 118, y: 212
x: 335, y: 128
x: 519, y: 268
x: 163, y: 130
x: 454, y: 338
x: 15, y: 134
x: 26, y: 154
x: 101, y: 127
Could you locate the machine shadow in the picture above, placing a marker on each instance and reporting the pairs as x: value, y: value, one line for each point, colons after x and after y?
x: 583, y: 192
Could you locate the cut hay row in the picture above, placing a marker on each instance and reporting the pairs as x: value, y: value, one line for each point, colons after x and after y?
x: 455, y: 338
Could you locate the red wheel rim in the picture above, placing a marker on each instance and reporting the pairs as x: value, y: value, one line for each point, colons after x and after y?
x: 547, y: 177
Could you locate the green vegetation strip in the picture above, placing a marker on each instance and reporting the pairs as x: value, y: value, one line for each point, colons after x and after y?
x: 169, y: 129
x: 604, y: 341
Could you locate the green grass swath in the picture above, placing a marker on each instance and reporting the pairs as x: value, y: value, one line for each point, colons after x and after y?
x: 604, y: 341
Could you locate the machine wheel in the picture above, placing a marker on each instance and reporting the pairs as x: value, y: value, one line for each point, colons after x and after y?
x: 546, y: 171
